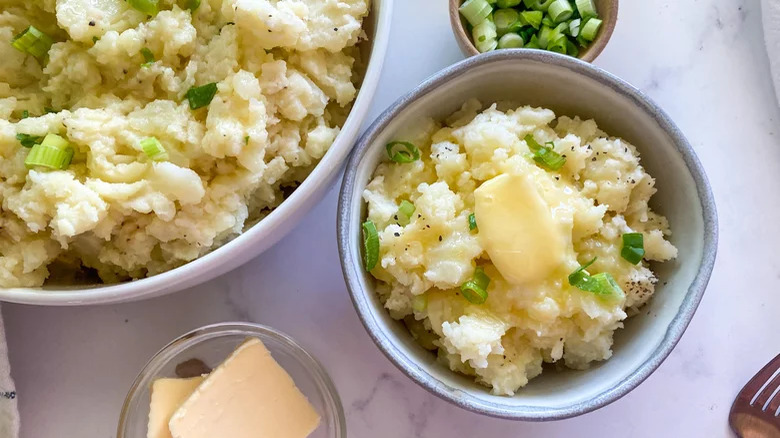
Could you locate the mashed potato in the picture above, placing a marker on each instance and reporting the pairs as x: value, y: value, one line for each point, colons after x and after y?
x: 600, y: 193
x: 285, y: 72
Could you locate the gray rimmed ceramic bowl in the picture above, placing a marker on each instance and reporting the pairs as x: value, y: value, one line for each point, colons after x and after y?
x: 572, y: 87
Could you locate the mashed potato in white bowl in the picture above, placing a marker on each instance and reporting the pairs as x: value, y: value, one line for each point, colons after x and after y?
x: 169, y: 139
x: 480, y: 281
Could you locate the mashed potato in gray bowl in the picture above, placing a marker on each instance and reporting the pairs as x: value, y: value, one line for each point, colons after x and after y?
x: 510, y: 237
x: 137, y: 135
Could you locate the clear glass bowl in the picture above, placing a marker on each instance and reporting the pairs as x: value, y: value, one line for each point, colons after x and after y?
x: 212, y: 345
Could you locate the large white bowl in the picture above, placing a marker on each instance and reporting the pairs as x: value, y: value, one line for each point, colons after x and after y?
x: 261, y: 236
x: 570, y: 87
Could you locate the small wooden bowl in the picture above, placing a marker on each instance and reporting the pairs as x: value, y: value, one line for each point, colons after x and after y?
x: 607, y: 9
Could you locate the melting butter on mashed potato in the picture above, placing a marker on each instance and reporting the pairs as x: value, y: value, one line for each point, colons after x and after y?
x: 285, y: 75
x: 535, y: 226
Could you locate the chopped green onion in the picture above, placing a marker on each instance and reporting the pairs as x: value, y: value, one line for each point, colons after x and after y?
x: 370, y: 245
x: 201, y: 96
x: 419, y: 303
x: 475, y: 290
x: 484, y: 35
x: 528, y: 34
x: 577, y: 276
x: 193, y: 5
x: 504, y: 19
x: 534, y: 43
x: 405, y: 212
x: 148, y: 7
x: 472, y: 222
x: 25, y: 114
x: 148, y: 57
x: 49, y: 110
x: 538, y: 5
x: 33, y: 42
x: 544, y: 36
x: 601, y: 284
x: 559, y: 45
x: 154, y: 149
x: 475, y: 11
x: 574, y: 27
x: 510, y: 41
x: 586, y: 8
x: 54, y: 153
x: 590, y: 29
x: 28, y: 140
x: 547, y: 21
x: 571, y: 49
x: 95, y: 39
x: 532, y: 18
x: 508, y: 3
x: 402, y: 152
x: 545, y: 155
x: 633, y: 247
x: 246, y: 140
x: 560, y: 11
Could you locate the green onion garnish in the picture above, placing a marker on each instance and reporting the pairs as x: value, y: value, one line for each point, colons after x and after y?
x: 154, y: 149
x: 601, y: 284
x: 559, y: 45
x: 193, y: 5
x: 590, y: 29
x: 402, y: 152
x: 404, y: 213
x: 25, y: 114
x: 201, y: 96
x: 472, y: 222
x: 586, y: 8
x: 475, y: 11
x: 538, y: 5
x: 419, y: 303
x: 505, y: 19
x: 484, y: 35
x: 545, y: 156
x: 531, y: 18
x: 148, y: 57
x: 574, y: 27
x: 475, y: 290
x: 508, y: 3
x: 633, y: 247
x: 54, y: 152
x: 33, y: 41
x: 370, y: 245
x: 560, y: 11
x: 148, y: 7
x: 28, y: 140
x: 510, y: 41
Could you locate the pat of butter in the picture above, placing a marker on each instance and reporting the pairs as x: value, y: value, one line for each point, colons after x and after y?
x: 248, y: 396
x: 167, y: 396
x: 517, y: 229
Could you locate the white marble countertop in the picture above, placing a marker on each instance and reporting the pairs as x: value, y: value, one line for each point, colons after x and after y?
x: 703, y: 61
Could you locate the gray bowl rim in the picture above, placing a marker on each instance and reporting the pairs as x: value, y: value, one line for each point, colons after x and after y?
x: 676, y: 328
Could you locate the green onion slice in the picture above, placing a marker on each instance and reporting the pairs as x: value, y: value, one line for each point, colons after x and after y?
x: 154, y: 149
x: 544, y: 36
x: 54, y: 152
x: 484, y: 35
x: 475, y: 11
x: 560, y: 11
x: 510, y: 41
x: 545, y: 156
x: 33, y: 42
x: 532, y: 18
x: 25, y: 114
x: 574, y: 27
x: 504, y: 19
x: 586, y: 8
x: 590, y: 29
x: 601, y: 284
x: 201, y: 96
x: 559, y: 45
x: 28, y: 140
x: 402, y: 152
x: 370, y: 245
x: 528, y: 34
x: 508, y: 3
x: 534, y: 43
x: 405, y: 212
x: 633, y: 247
x: 193, y: 5
x: 571, y: 49
x: 148, y: 57
x: 547, y: 21
x: 538, y: 5
x: 475, y: 290
x: 148, y: 7
x: 472, y: 222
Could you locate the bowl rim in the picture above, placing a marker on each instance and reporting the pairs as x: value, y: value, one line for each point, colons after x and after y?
x: 466, y: 44
x: 257, y: 238
x: 673, y: 332
x: 313, y: 366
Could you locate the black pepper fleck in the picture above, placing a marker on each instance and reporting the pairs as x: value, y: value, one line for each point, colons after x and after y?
x: 397, y: 234
x: 593, y: 159
x: 439, y: 238
x: 92, y: 23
